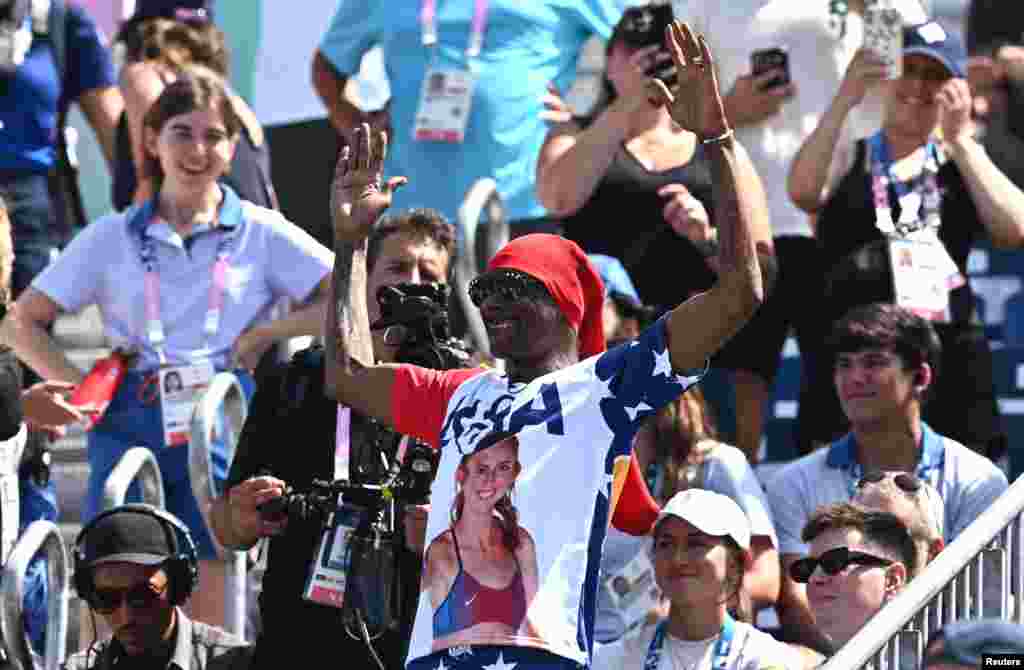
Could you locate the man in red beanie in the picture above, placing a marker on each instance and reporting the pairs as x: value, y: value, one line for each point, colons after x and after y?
x: 573, y: 407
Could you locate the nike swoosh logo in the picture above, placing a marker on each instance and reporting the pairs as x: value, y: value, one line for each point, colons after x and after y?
x: 470, y: 601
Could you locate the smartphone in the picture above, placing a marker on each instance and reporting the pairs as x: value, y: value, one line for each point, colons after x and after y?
x: 883, y: 35
x: 644, y: 26
x: 763, y: 60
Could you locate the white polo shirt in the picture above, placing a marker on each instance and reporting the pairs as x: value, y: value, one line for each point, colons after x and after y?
x: 818, y: 57
x: 269, y: 258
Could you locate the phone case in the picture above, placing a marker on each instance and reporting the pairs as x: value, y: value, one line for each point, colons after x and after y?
x: 883, y: 35
x: 763, y: 60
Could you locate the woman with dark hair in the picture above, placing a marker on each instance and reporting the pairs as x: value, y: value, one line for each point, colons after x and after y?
x: 162, y: 38
x: 481, y: 573
x: 184, y: 281
x: 701, y: 545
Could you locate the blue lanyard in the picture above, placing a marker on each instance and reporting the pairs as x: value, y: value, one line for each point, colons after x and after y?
x: 926, y: 185
x: 722, y: 647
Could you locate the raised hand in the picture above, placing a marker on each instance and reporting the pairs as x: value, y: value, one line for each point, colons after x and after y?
x: 696, y: 103
x: 359, y: 195
x: 955, y: 107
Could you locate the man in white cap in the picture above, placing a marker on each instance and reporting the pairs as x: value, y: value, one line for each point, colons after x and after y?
x: 701, y: 548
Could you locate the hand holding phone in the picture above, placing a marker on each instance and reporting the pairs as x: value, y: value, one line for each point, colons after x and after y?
x: 883, y: 36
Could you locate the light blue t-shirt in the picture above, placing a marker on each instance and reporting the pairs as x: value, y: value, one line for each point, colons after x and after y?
x: 271, y: 258
x: 968, y: 483
x: 527, y: 45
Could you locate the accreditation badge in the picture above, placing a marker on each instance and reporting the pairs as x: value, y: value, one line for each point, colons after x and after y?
x: 181, y: 387
x: 445, y: 102
x: 923, y: 275
x: 328, y: 575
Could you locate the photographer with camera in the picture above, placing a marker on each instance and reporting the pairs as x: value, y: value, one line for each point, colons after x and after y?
x: 573, y: 408
x: 413, y: 252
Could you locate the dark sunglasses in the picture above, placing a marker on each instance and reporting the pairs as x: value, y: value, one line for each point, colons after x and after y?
x: 906, y: 482
x: 509, y: 286
x: 833, y: 562
x: 140, y: 596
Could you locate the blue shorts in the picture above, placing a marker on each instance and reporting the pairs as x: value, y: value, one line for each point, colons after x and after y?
x: 130, y: 422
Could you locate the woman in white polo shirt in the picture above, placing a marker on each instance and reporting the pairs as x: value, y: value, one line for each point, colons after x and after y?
x: 701, y: 543
x: 186, y: 281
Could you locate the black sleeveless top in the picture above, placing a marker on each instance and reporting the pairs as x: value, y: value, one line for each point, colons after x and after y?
x: 249, y: 176
x: 623, y: 219
x: 855, y: 249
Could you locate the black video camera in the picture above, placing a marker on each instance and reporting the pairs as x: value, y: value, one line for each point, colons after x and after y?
x: 414, y: 317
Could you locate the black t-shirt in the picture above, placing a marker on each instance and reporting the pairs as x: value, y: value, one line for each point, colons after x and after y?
x: 623, y: 218
x: 249, y: 176
x: 291, y: 435
x: 854, y: 247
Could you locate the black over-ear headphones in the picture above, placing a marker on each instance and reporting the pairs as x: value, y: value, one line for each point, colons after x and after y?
x: 182, y: 568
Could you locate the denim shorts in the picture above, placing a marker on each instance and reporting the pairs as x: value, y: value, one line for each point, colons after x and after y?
x: 131, y: 422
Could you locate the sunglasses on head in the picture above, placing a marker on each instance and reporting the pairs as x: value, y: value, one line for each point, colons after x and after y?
x: 509, y: 285
x: 139, y: 596
x: 906, y: 482
x: 833, y: 562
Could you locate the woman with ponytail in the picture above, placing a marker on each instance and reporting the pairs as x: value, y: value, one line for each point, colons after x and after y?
x: 482, y: 571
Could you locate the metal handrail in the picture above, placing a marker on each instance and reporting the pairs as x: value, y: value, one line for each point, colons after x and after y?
x: 224, y: 394
x: 39, y: 536
x: 949, y: 589
x: 477, y: 244
x: 138, y: 463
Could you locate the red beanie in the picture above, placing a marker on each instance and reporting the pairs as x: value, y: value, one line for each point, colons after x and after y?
x: 569, y: 277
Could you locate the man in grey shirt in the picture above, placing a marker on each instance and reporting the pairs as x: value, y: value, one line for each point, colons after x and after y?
x: 885, y: 360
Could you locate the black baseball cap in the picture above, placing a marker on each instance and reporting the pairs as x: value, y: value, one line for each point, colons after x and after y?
x: 129, y: 536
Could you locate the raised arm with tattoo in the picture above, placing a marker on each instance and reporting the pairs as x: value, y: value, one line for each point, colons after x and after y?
x: 358, y: 198
x: 741, y: 206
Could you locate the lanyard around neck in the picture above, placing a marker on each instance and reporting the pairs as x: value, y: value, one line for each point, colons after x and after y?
x: 722, y: 647
x: 925, y: 189
x: 428, y: 25
x: 151, y: 290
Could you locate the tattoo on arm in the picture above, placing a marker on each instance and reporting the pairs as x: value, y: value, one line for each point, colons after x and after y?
x: 348, y: 327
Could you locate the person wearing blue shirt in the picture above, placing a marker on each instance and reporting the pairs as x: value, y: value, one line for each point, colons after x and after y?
x: 32, y: 96
x: 523, y: 46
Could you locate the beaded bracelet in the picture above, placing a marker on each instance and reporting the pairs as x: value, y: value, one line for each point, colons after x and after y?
x: 721, y: 138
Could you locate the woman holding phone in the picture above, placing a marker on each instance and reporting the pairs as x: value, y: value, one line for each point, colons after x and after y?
x: 917, y: 194
x: 629, y: 151
x: 629, y: 183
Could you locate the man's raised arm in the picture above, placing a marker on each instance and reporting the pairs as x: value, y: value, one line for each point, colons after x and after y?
x: 358, y: 198
x: 700, y: 326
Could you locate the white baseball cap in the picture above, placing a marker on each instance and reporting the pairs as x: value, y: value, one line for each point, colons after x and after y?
x: 711, y: 513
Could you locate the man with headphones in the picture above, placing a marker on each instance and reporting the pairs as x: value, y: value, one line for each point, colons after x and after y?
x: 136, y: 565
